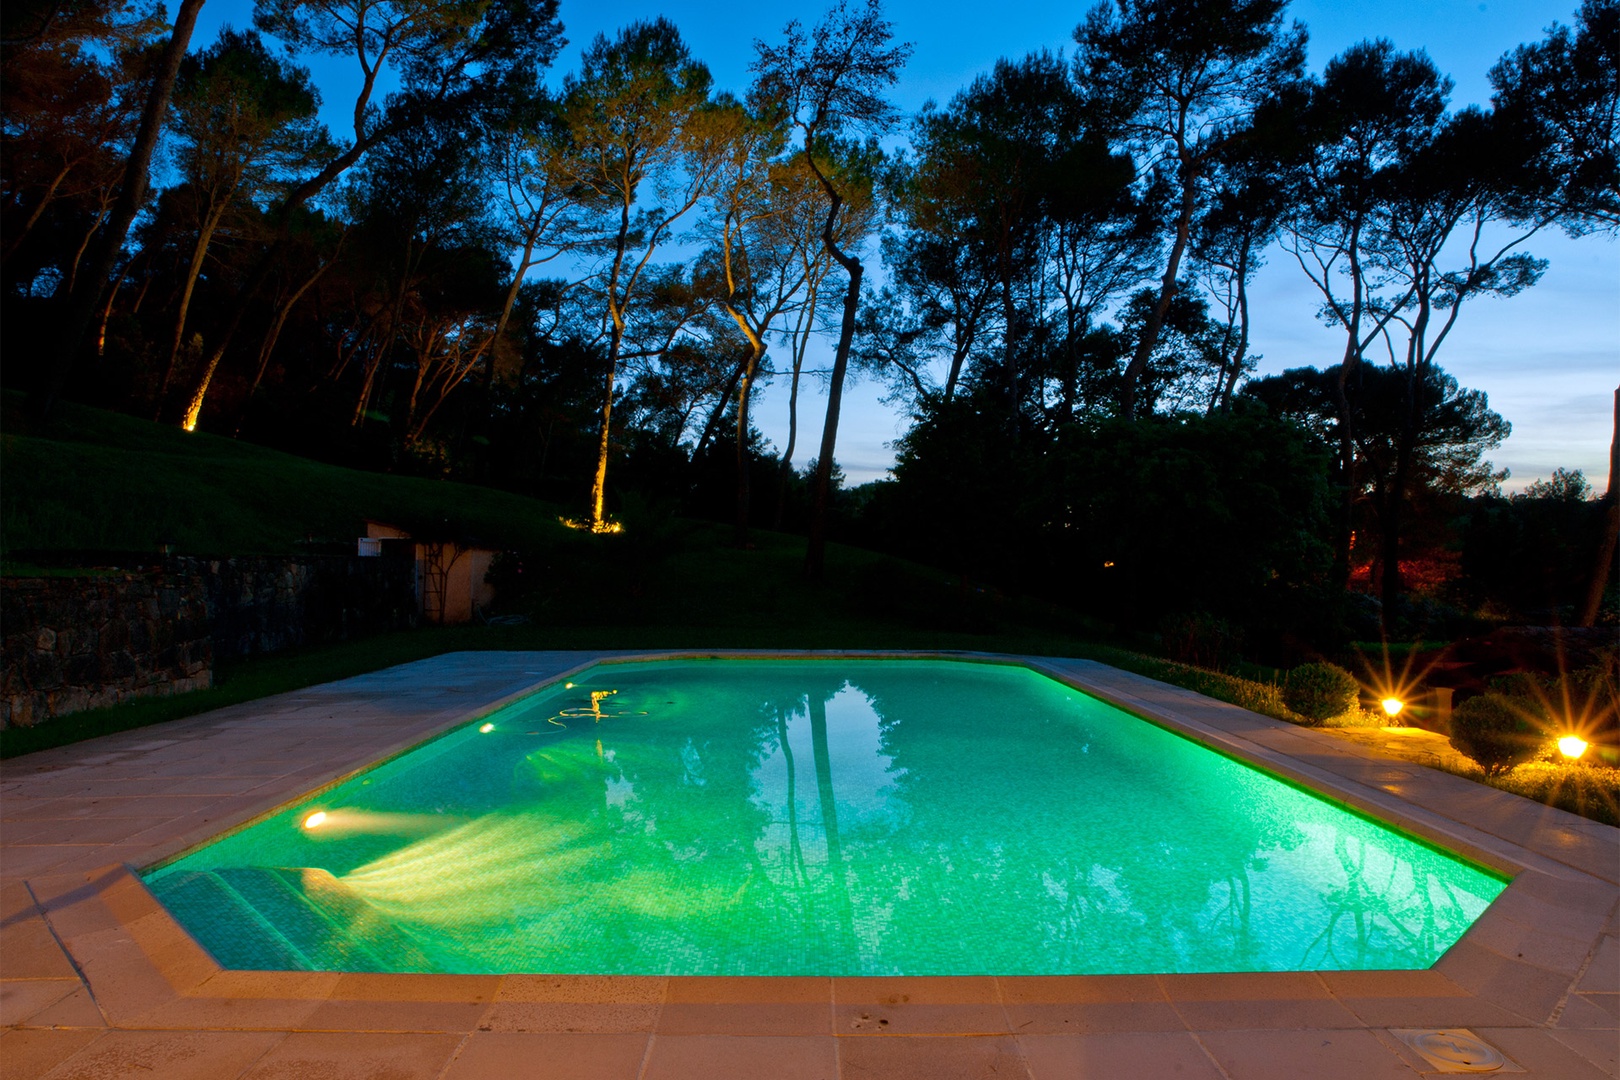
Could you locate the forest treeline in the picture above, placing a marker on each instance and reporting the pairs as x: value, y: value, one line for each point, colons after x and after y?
x: 573, y: 283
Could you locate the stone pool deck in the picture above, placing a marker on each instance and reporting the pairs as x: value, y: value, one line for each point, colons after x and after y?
x: 98, y: 982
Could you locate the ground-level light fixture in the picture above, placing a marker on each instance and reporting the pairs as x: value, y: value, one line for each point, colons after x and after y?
x: 314, y: 820
x: 1392, y: 706
x: 487, y: 728
x: 1572, y: 746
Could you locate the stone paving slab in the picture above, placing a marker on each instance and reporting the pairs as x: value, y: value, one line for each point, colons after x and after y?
x: 96, y: 980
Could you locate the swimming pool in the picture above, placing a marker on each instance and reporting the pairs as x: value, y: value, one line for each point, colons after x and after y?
x: 828, y: 817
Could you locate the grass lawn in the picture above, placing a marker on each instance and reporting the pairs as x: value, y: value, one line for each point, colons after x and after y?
x: 97, y: 480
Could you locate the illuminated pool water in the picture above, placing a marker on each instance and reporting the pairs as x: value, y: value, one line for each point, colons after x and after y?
x: 820, y: 817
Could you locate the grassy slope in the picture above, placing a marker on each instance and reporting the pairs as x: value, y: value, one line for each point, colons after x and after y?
x: 104, y: 481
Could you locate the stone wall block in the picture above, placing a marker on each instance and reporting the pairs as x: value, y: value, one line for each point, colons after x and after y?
x: 111, y: 668
x: 43, y: 671
x: 70, y: 700
x: 115, y: 634
x: 89, y: 670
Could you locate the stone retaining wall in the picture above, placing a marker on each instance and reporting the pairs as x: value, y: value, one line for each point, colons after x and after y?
x: 103, y: 637
x: 259, y: 604
x: 74, y: 643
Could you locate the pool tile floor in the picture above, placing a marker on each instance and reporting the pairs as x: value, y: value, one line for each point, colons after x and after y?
x: 98, y: 982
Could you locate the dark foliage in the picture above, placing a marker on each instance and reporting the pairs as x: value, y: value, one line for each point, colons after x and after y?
x: 1495, y: 731
x: 1062, y: 310
x: 1321, y: 691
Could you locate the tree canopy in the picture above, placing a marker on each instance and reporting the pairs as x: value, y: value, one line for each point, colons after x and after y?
x: 579, y: 283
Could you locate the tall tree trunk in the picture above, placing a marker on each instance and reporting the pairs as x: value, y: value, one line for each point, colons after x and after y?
x: 106, y: 309
x: 1167, y: 292
x: 199, y: 251
x: 599, y: 479
x: 386, y: 346
x: 1345, y: 520
x: 368, y: 380
x: 1611, y: 530
x: 1344, y: 525
x: 717, y: 413
x: 615, y: 312
x: 1009, y: 344
x: 268, y: 345
x: 529, y: 240
x: 801, y: 339
x: 1389, y: 548
x: 1232, y: 360
x: 1243, y: 334
x: 194, y: 404
x: 958, y: 357
x: 424, y: 360
x: 821, y: 495
x: 71, y: 282
x: 86, y: 296
x: 442, y: 384
x: 49, y: 196
x: 744, y: 393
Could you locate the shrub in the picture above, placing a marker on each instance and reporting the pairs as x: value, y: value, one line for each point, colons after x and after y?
x: 1492, y: 731
x: 1320, y: 691
x: 1592, y: 791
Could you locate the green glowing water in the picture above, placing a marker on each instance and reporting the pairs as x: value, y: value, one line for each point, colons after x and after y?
x: 819, y: 817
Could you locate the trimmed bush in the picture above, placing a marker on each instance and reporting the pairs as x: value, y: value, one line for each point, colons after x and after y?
x: 1321, y: 691
x: 1494, y: 732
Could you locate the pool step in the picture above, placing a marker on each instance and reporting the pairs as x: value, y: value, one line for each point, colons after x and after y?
x: 287, y: 918
x: 225, y: 924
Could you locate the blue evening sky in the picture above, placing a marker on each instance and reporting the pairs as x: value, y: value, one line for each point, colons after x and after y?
x: 1549, y: 358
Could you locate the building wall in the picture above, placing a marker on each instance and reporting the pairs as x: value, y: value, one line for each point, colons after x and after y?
x: 466, y: 587
x: 450, y: 581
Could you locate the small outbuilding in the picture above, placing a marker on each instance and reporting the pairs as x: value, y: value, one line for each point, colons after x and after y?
x: 450, y: 568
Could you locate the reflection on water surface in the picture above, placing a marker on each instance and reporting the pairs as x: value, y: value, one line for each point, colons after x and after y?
x: 819, y: 817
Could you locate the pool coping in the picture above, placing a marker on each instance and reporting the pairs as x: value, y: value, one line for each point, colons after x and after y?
x: 89, y: 955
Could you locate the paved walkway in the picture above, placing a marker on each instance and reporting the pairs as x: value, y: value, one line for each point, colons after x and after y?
x: 1412, y: 744
x: 97, y: 981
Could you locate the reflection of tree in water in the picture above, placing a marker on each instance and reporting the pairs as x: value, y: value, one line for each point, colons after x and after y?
x: 679, y: 796
x: 810, y: 893
x: 1386, y: 911
x: 689, y: 821
x: 1039, y: 857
